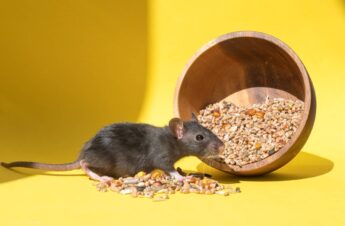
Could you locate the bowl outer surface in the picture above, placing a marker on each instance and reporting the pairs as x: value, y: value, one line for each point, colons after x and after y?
x: 284, y: 155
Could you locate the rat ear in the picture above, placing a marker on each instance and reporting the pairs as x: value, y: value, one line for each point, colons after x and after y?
x: 194, y: 117
x: 176, y: 127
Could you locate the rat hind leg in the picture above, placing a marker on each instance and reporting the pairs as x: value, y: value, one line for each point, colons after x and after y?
x: 92, y: 174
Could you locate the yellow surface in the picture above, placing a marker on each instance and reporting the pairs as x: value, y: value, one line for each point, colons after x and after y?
x: 67, y: 68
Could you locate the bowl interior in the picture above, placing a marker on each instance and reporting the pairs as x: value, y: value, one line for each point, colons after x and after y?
x: 243, y: 70
x: 235, y: 65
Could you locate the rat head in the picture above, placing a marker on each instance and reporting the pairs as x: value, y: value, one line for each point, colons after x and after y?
x: 195, y: 139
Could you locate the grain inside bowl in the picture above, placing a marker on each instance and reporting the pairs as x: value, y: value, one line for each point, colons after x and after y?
x: 252, y: 133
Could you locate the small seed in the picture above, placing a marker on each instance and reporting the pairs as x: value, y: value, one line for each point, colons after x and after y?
x: 191, y: 179
x: 251, y: 112
x: 126, y: 191
x: 222, y: 192
x: 271, y: 152
x: 157, y: 184
x: 130, y: 180
x: 216, y: 113
x: 157, y: 173
x: 141, y: 188
x: 233, y: 128
x: 140, y: 174
x: 260, y: 114
x: 258, y: 146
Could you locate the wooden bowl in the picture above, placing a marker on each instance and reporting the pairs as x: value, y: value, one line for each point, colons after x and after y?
x: 245, y: 67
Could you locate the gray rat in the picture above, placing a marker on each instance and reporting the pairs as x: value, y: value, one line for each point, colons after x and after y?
x: 123, y: 149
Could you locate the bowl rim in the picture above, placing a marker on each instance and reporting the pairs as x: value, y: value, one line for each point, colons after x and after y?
x: 306, y: 86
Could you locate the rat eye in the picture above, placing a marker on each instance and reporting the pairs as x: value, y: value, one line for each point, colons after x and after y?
x: 199, y: 137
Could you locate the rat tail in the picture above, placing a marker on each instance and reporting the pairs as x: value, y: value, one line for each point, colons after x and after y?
x: 44, y: 166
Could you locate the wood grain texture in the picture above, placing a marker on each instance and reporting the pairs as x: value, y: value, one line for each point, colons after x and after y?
x: 244, y: 67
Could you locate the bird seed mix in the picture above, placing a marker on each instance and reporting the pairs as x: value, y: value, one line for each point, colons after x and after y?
x: 158, y: 186
x: 253, y: 133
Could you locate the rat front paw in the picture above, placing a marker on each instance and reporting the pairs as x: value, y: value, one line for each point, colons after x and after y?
x: 176, y: 175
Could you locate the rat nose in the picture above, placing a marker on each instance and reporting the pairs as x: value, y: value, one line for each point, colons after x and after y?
x: 220, y: 146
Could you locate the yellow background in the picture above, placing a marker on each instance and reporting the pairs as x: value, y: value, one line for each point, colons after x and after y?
x: 67, y: 68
